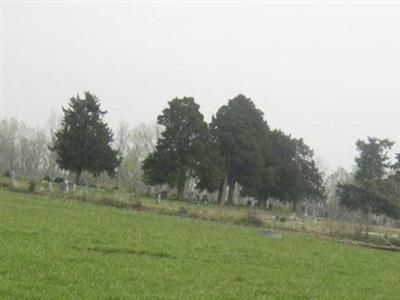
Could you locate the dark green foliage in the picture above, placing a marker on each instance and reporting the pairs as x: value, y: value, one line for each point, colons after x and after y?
x: 289, y: 173
x: 379, y: 197
x: 279, y: 150
x: 396, y: 166
x: 237, y: 147
x: 181, y: 146
x: 373, y: 159
x: 386, y: 195
x: 373, y: 191
x: 240, y: 131
x: 353, y: 197
x: 210, y: 171
x: 307, y: 181
x: 159, y: 167
x: 84, y: 141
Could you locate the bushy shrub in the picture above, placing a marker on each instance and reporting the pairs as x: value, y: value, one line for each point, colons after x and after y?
x: 182, y: 211
x: 31, y: 186
x: 110, y: 201
x: 7, y: 174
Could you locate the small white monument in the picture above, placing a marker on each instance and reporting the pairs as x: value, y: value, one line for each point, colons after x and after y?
x: 13, y: 180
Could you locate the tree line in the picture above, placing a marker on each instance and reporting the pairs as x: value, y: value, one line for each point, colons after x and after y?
x: 236, y: 147
x: 236, y: 150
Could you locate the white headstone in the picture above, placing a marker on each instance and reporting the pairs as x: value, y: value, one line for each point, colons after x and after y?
x: 13, y: 180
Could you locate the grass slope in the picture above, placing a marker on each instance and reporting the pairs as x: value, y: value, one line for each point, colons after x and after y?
x: 56, y: 249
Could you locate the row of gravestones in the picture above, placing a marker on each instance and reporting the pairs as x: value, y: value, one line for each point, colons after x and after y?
x: 64, y: 187
x: 63, y: 184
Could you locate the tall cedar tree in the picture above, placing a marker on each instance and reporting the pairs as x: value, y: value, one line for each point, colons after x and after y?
x: 181, y: 146
x: 373, y: 160
x: 305, y: 181
x: 278, y: 151
x: 373, y: 191
x: 210, y: 171
x: 240, y: 131
x: 290, y: 173
x: 84, y: 141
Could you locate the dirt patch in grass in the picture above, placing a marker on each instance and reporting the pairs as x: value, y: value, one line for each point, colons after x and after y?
x: 109, y: 250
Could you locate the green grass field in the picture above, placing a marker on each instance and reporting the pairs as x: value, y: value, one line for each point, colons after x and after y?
x: 54, y: 249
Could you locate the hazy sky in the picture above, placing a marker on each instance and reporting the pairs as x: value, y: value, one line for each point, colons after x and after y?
x: 327, y: 72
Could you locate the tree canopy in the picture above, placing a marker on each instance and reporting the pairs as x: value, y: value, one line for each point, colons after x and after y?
x: 290, y: 173
x: 374, y: 190
x: 373, y: 160
x: 83, y: 143
x: 240, y: 131
x: 181, y: 146
x: 237, y: 147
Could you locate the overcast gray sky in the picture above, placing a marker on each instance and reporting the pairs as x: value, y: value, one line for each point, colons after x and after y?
x: 327, y: 72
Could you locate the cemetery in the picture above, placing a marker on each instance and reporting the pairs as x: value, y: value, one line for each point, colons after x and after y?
x: 92, y: 220
x: 199, y: 149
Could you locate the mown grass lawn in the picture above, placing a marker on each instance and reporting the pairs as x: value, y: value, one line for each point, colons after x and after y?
x: 55, y: 249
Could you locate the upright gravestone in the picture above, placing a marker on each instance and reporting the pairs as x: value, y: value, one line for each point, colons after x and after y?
x: 64, y: 186
x: 13, y: 180
x: 86, y: 189
x: 50, y: 186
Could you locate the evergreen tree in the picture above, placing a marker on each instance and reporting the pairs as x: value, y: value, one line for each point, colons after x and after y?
x: 373, y: 161
x: 373, y: 190
x: 240, y: 131
x: 278, y: 151
x: 396, y: 166
x: 84, y: 141
x: 306, y: 180
x: 210, y: 171
x: 290, y: 173
x: 181, y: 146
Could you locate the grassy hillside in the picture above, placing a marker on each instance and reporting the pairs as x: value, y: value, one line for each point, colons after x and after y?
x: 56, y: 249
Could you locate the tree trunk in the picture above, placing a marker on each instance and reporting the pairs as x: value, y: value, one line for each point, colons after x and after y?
x: 294, y: 206
x: 181, y: 187
x: 222, y: 191
x: 231, y: 183
x: 78, y: 177
x: 366, y: 222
